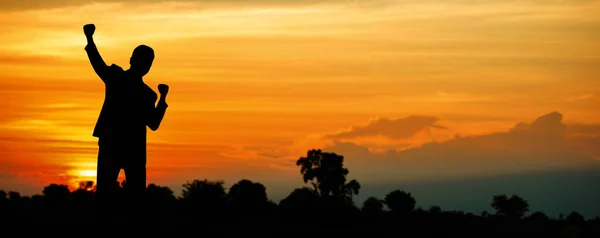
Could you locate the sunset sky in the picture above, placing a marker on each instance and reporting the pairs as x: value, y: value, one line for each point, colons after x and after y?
x: 406, y: 90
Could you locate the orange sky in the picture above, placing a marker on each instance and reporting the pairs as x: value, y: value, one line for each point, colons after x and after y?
x: 254, y: 86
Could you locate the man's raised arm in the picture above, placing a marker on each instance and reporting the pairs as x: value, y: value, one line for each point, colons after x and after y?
x: 96, y: 60
x: 157, y: 114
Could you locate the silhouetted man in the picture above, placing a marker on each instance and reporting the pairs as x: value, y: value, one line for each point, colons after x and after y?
x: 129, y: 106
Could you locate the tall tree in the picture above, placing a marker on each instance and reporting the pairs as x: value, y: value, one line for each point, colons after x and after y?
x: 513, y: 207
x: 400, y: 202
x: 56, y: 196
x: 372, y: 205
x: 327, y: 174
x: 205, y: 194
x: 248, y: 196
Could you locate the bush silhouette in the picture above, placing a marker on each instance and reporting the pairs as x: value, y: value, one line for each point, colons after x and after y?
x: 161, y: 198
x: 574, y: 218
x: 400, y: 202
x: 207, y: 196
x: 248, y: 197
x: 300, y: 202
x: 514, y: 207
x: 206, y: 207
x: 57, y: 196
x: 372, y: 205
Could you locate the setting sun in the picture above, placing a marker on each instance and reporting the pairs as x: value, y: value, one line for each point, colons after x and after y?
x: 87, y: 174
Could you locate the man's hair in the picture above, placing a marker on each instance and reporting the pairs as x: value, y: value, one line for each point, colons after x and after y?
x: 141, y: 59
x: 143, y: 52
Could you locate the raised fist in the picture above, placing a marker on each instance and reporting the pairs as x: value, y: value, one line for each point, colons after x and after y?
x: 89, y: 29
x: 163, y: 89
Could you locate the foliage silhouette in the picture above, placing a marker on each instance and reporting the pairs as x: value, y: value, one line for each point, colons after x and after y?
x: 400, y: 202
x: 204, y: 195
x: 247, y: 197
x: 574, y: 218
x: 514, y: 207
x: 160, y: 197
x: 538, y: 217
x: 435, y: 209
x: 57, y: 196
x: 301, y: 202
x: 327, y: 174
x: 373, y: 205
x: 206, y: 207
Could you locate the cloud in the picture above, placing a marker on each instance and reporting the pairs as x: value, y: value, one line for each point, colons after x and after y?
x: 18, y: 59
x: 392, y: 128
x: 542, y: 145
x: 584, y: 130
x: 580, y: 97
x: 549, y: 124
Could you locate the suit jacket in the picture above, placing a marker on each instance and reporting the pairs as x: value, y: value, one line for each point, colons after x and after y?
x: 129, y: 104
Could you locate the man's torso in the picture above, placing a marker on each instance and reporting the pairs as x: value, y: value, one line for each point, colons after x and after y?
x: 127, y: 106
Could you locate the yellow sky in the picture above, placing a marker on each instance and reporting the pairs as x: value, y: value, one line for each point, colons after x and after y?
x: 256, y: 80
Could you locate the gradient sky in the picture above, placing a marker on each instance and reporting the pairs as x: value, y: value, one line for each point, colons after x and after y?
x: 403, y: 89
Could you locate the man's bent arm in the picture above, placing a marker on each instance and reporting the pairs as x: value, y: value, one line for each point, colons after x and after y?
x: 96, y: 60
x: 158, y: 113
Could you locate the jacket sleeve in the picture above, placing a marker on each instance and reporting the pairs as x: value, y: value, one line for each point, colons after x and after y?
x: 156, y: 114
x: 100, y: 67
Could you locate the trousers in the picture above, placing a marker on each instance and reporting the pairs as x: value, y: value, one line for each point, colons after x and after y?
x: 115, y: 154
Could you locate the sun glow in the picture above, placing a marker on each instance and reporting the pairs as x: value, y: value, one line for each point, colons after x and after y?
x: 87, y: 173
x: 83, y: 171
x: 81, y: 175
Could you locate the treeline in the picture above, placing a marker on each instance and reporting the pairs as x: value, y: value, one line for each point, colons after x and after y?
x: 325, y: 207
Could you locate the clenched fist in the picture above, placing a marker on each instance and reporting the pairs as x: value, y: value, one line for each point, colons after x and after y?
x: 89, y: 30
x: 163, y: 89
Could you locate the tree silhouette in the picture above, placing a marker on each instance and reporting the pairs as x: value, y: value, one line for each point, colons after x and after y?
x: 14, y: 196
x: 4, y: 202
x: 323, y: 209
x: 87, y: 186
x: 538, y: 216
x: 351, y: 188
x: 159, y: 195
x: 400, y: 202
x: 304, y: 207
x: 302, y: 202
x: 574, y: 218
x: 56, y: 196
x: 513, y: 207
x: 14, y: 199
x: 435, y: 209
x: 83, y: 197
x: 372, y: 205
x: 206, y: 195
x: 247, y: 197
x: 327, y: 174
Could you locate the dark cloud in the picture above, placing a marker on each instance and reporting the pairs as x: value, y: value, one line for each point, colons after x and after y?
x: 392, y: 128
x: 537, y: 146
x: 584, y: 130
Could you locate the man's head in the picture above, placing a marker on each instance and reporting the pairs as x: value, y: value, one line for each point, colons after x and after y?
x: 141, y: 60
